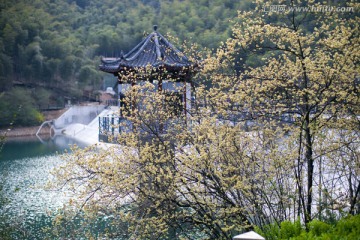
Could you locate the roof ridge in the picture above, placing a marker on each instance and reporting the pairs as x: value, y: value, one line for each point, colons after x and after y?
x: 142, y: 44
x: 157, y: 46
x: 177, y: 51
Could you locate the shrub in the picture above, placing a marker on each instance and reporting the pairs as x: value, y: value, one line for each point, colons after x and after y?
x: 290, y: 229
x: 317, y: 228
x: 18, y: 107
x: 347, y: 228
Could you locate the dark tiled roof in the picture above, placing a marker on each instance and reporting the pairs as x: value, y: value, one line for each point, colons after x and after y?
x: 154, y: 50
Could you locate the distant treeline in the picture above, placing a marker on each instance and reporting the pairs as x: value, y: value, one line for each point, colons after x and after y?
x: 57, y: 44
x: 54, y: 46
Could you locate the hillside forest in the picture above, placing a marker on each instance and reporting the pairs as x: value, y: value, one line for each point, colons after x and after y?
x: 50, y: 49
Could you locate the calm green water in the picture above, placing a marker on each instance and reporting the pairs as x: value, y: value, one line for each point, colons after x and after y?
x: 25, y: 166
x: 28, y: 147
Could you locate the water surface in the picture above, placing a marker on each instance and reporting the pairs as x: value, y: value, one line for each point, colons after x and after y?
x: 28, y: 147
x: 25, y: 167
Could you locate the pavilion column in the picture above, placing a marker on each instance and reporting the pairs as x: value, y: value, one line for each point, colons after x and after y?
x: 161, y: 124
x: 133, y: 98
x: 160, y: 86
x: 133, y: 83
x: 185, y: 102
x: 120, y: 104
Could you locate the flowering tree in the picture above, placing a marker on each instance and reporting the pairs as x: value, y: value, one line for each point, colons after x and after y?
x: 256, y: 148
x: 305, y: 82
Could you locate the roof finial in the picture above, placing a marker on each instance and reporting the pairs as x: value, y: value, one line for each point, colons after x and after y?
x: 155, y: 28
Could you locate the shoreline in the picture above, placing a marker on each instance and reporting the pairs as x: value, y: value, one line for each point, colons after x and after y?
x: 24, y: 131
x: 31, y: 131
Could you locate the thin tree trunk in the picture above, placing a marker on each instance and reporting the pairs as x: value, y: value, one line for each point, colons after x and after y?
x: 310, y: 166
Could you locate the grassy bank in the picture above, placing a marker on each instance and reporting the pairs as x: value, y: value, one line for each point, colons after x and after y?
x: 19, y: 131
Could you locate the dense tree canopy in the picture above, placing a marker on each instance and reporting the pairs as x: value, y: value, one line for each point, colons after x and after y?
x: 48, y: 43
x: 56, y: 45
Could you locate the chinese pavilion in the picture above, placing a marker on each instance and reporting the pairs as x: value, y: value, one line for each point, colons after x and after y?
x: 155, y: 51
x: 155, y: 60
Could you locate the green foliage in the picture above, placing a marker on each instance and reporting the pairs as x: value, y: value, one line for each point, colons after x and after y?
x: 286, y: 230
x: 346, y: 228
x: 269, y: 232
x: 18, y: 107
x: 41, y: 97
x: 290, y: 229
x: 48, y: 30
x: 317, y: 228
x: 56, y: 45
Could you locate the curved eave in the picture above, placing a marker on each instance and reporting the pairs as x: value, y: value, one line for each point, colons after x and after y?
x: 110, y: 60
x: 109, y: 69
x: 122, y: 66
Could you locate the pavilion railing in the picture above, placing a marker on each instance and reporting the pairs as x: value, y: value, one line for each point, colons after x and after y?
x: 111, y: 126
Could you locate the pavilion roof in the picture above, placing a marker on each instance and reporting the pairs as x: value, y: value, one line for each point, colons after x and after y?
x: 154, y: 50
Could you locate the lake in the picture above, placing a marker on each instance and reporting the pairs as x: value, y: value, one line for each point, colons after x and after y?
x: 25, y: 166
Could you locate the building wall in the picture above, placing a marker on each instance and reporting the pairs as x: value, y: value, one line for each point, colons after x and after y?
x: 78, y: 114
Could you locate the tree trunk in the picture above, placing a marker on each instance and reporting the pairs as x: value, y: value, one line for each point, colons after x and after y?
x: 310, y: 167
